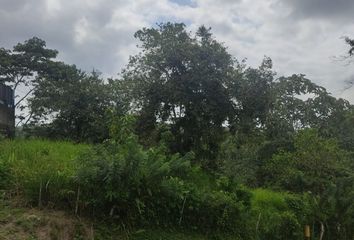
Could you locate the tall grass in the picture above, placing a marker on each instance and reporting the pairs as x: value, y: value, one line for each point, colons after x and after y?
x: 39, y: 170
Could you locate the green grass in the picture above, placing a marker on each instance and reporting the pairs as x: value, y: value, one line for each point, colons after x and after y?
x: 28, y: 167
x: 35, y: 154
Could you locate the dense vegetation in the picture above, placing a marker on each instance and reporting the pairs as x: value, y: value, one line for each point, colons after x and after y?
x: 134, y: 188
x: 187, y: 138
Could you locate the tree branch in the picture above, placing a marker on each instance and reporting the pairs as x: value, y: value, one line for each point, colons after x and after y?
x: 23, y: 98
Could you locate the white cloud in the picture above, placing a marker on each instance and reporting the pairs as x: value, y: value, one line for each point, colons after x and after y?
x: 81, y: 30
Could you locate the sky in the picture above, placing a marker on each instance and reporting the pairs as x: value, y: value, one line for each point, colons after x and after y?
x: 301, y: 36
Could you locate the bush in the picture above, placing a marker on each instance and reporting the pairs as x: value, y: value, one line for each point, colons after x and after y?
x: 151, y: 186
x: 122, y: 179
x: 277, y: 215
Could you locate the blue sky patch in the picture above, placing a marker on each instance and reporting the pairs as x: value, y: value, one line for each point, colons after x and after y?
x: 190, y: 3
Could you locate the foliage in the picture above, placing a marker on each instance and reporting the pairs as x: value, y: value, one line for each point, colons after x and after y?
x: 146, y: 188
x: 124, y: 174
x: 180, y: 79
x: 250, y: 91
x: 341, y: 126
x: 239, y: 157
x: 297, y: 103
x: 151, y: 186
x: 313, y: 166
x: 71, y: 104
x: 278, y: 215
x: 317, y: 167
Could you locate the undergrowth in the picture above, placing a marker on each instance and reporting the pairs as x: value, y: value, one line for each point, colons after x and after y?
x: 121, y: 184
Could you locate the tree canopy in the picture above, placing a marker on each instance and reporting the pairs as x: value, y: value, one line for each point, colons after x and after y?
x: 21, y: 67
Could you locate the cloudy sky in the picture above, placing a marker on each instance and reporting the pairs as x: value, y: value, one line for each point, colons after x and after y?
x: 301, y: 36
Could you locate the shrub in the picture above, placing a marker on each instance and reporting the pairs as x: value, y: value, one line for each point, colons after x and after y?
x: 277, y: 215
x: 151, y: 186
x: 122, y: 179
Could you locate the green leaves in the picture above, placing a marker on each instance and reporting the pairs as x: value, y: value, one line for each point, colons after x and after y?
x: 313, y: 166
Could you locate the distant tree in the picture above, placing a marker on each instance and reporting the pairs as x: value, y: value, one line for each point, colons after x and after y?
x: 20, y: 68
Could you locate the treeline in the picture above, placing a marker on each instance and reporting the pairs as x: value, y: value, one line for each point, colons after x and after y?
x: 182, y: 104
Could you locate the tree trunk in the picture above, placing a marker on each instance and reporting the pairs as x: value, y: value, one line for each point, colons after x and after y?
x: 40, y: 195
x: 322, y: 231
x: 77, y: 201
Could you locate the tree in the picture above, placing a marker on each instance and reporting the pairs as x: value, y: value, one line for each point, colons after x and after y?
x: 180, y: 80
x: 341, y: 127
x: 298, y: 103
x: 317, y: 167
x: 20, y: 68
x: 313, y: 166
x: 71, y: 103
x: 250, y: 92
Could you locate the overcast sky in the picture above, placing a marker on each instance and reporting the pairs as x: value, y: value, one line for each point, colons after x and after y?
x: 301, y: 36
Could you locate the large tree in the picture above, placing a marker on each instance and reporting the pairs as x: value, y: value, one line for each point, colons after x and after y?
x: 180, y: 80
